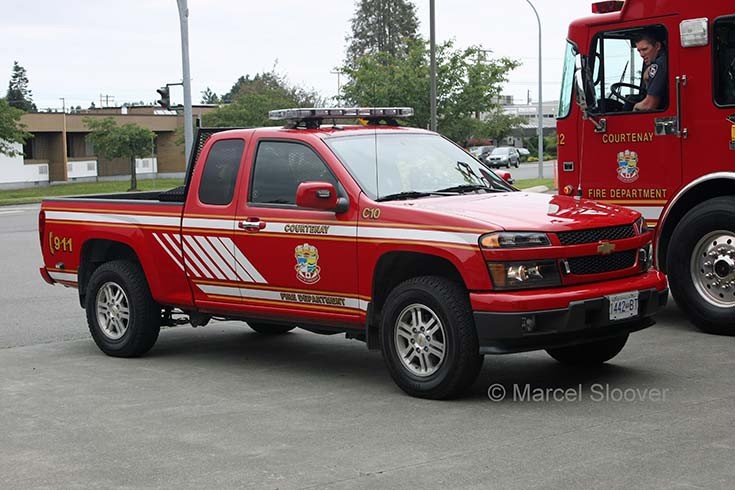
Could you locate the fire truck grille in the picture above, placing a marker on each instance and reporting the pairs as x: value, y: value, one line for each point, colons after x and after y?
x: 596, y: 235
x: 597, y: 264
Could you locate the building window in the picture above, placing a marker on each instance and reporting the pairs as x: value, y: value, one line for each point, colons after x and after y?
x: 28, y: 153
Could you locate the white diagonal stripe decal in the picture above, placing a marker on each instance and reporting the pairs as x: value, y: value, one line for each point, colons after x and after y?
x: 226, y: 252
x: 197, y: 265
x: 164, y: 247
x: 202, y: 255
x: 245, y: 263
x: 214, y: 257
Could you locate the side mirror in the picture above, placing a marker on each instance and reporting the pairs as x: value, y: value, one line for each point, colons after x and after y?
x: 320, y: 195
x: 579, y: 68
x: 505, y: 175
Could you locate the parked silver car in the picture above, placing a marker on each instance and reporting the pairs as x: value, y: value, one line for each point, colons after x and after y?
x: 503, y: 156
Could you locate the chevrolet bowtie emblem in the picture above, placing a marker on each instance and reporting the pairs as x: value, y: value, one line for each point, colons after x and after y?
x: 605, y: 248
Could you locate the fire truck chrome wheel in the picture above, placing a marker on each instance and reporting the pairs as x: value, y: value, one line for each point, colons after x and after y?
x: 420, y: 340
x: 113, y: 311
x: 713, y: 268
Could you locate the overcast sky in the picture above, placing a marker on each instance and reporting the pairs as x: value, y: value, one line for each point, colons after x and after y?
x: 82, y: 49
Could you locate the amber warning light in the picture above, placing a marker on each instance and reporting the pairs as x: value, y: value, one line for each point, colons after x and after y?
x: 607, y: 7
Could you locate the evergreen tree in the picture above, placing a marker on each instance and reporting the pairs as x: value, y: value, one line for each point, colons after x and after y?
x: 19, y: 95
x: 209, y: 97
x: 382, y: 26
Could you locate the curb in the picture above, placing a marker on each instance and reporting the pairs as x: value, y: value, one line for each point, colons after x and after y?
x: 539, y: 188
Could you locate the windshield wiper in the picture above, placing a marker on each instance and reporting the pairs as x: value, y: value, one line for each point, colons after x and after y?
x: 406, y: 195
x: 470, y: 188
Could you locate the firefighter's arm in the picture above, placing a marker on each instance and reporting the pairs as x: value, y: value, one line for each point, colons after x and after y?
x: 650, y: 103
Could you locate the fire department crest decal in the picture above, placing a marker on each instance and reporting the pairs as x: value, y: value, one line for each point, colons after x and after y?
x: 628, y: 166
x: 307, y: 263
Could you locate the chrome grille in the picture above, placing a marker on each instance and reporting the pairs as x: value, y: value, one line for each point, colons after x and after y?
x: 596, y: 235
x: 597, y: 264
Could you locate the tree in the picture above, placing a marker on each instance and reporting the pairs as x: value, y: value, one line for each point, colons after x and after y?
x: 19, y: 95
x: 11, y: 131
x: 251, y: 98
x: 467, y: 85
x: 209, y: 97
x: 127, y: 141
x: 382, y: 26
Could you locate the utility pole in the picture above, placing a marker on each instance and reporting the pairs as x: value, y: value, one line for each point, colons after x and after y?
x: 188, y: 131
x: 540, y: 101
x: 432, y: 43
x: 64, y: 148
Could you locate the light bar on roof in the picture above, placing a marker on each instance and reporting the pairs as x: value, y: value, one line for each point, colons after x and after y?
x: 694, y: 33
x: 607, y: 7
x: 340, y: 113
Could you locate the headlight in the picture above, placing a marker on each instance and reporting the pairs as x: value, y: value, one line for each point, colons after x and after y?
x: 641, y: 226
x: 509, y: 239
x: 524, y: 275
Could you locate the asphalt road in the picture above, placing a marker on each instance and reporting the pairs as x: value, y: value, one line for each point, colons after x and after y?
x: 529, y: 170
x: 222, y: 407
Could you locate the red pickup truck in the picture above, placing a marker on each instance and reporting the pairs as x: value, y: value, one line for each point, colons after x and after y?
x: 391, y: 235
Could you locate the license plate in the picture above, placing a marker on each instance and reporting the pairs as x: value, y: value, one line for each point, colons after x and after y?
x: 624, y: 305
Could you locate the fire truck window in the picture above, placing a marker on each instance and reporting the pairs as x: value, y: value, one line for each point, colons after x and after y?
x: 619, y: 74
x: 279, y: 169
x: 220, y: 172
x: 724, y: 62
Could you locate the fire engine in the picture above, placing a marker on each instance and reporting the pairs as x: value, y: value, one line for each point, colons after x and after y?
x: 672, y: 160
x: 391, y: 235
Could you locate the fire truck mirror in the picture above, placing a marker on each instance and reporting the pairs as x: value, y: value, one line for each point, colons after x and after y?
x: 581, y: 95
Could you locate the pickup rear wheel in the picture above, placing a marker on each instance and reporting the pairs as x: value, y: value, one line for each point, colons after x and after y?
x: 270, y: 328
x: 428, y: 338
x: 701, y: 265
x: 123, y: 318
x: 591, y: 353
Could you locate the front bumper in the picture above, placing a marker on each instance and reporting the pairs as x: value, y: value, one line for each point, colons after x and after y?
x: 580, y: 320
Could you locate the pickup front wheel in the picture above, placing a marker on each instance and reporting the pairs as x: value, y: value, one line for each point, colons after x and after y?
x: 428, y: 338
x: 123, y: 318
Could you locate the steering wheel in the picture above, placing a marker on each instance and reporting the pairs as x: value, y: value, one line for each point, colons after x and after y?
x: 631, y: 99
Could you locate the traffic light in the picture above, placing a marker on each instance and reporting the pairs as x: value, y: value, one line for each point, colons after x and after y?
x: 165, y: 100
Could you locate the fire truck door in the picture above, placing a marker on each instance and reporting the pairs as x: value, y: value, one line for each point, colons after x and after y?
x: 633, y: 157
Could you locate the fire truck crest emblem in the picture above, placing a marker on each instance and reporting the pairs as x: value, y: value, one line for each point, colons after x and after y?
x: 628, y: 166
x: 307, y: 266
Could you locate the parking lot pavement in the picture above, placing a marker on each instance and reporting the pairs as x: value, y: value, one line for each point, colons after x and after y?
x: 223, y: 407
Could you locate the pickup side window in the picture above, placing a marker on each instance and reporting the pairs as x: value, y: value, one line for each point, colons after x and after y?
x: 280, y: 166
x: 724, y: 61
x: 220, y: 172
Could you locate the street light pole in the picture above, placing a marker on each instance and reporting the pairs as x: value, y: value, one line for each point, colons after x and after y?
x: 540, y: 114
x: 188, y: 132
x: 432, y: 49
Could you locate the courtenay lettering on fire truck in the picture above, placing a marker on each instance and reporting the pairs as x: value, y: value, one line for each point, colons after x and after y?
x: 653, y: 128
x: 309, y: 226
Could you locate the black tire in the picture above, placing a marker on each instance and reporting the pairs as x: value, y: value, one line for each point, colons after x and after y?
x: 591, y: 353
x: 699, y: 305
x: 121, y: 335
x: 270, y: 328
x: 460, y: 364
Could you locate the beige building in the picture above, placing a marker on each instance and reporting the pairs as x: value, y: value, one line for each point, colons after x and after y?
x: 60, y: 150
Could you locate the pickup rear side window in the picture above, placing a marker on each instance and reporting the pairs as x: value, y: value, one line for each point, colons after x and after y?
x: 280, y: 166
x: 220, y: 172
x: 724, y: 61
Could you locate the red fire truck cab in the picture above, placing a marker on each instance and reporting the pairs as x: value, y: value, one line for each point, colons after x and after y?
x: 391, y: 235
x: 673, y: 161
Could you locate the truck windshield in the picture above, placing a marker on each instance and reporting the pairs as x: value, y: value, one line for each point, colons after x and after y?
x: 412, y: 164
x: 567, y: 83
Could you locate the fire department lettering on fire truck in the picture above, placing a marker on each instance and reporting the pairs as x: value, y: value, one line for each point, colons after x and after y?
x: 392, y: 235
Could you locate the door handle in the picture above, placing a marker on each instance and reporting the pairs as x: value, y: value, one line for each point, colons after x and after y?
x: 251, y: 224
